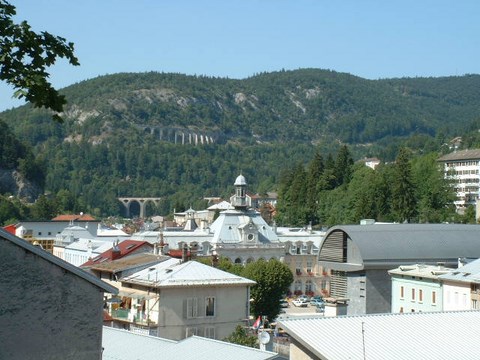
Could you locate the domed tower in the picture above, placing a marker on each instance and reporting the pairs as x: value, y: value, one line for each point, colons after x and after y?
x: 240, y: 200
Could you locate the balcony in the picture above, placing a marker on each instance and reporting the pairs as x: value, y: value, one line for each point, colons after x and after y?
x: 139, y: 317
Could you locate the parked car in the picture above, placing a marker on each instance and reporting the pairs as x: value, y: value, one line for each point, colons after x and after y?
x: 284, y: 303
x: 316, y: 302
x: 304, y: 298
x: 300, y: 302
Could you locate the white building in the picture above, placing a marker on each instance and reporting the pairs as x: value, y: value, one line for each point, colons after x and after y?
x: 175, y: 300
x: 416, y: 288
x: 461, y: 288
x: 463, y: 168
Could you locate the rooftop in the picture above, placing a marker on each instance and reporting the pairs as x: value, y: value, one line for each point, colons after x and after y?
x: 462, y: 155
x: 389, y: 336
x: 124, y: 345
x: 173, y: 273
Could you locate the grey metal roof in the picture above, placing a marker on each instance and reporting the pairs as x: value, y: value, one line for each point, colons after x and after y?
x: 173, y: 273
x: 421, y: 335
x: 226, y: 227
x: 58, y: 262
x: 462, y: 155
x: 124, y: 345
x: 469, y: 273
x: 413, y: 241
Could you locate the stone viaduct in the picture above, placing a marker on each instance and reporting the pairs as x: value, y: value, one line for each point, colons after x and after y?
x: 142, y: 201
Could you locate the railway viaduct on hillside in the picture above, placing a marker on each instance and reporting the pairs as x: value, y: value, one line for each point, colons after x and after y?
x: 142, y: 201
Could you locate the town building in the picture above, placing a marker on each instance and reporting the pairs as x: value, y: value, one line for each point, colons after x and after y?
x: 417, y: 288
x: 359, y: 257
x: 50, y: 309
x: 175, y: 299
x: 461, y: 287
x: 462, y: 168
x: 419, y: 335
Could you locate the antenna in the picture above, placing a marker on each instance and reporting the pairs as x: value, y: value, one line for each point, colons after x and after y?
x: 363, y: 341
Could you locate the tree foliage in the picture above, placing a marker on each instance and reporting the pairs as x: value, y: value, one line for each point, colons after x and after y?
x: 273, y: 280
x: 412, y: 190
x: 25, y: 57
x: 241, y: 337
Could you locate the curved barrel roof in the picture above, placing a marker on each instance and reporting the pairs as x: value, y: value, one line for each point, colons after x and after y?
x: 412, y: 241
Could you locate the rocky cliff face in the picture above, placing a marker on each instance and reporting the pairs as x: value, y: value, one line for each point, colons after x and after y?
x: 12, y: 182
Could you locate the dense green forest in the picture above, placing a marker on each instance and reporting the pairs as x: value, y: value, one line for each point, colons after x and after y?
x: 265, y: 127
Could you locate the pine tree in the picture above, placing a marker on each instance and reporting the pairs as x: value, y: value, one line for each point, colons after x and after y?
x: 404, y: 199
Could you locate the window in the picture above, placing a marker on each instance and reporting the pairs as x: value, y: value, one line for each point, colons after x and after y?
x: 474, y: 304
x: 192, y: 308
x: 298, y: 268
x: 402, y: 294
x: 309, y: 266
x: 209, y: 306
x: 434, y: 297
x: 420, y: 295
x: 413, y: 294
x: 210, y: 332
x: 401, y: 310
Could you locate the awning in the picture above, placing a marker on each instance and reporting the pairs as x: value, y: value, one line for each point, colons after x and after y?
x: 136, y: 295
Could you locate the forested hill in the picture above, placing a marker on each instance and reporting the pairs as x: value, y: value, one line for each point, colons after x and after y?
x: 122, y: 133
x: 303, y: 105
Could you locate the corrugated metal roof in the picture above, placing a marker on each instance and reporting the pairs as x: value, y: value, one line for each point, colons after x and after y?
x: 469, y: 273
x: 436, y: 335
x: 58, y: 262
x: 462, y: 155
x: 173, y: 273
x: 413, y: 241
x: 123, y: 345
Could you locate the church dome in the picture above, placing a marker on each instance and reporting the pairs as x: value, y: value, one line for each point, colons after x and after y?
x: 240, y: 180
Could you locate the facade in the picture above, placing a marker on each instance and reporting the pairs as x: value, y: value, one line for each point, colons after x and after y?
x: 425, y: 335
x: 359, y: 256
x: 50, y: 309
x: 461, y: 287
x: 301, y: 256
x: 417, y: 288
x: 174, y: 300
x: 463, y: 169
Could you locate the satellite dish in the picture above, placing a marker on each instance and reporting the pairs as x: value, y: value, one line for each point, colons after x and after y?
x: 264, y: 338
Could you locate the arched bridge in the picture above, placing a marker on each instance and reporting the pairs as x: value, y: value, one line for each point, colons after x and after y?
x: 142, y: 201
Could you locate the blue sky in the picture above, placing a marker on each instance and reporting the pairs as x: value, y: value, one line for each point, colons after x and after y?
x: 239, y: 38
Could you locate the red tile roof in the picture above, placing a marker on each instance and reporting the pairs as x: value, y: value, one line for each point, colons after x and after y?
x: 74, y: 217
x: 126, y: 247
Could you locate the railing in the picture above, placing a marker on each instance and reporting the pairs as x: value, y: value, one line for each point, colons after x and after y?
x: 120, y: 313
x: 135, y: 317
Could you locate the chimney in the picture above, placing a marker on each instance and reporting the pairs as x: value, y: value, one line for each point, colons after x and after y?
x: 193, y: 250
x: 115, y: 251
x: 185, y: 253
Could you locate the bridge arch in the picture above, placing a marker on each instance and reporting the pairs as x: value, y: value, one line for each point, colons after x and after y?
x: 142, y: 201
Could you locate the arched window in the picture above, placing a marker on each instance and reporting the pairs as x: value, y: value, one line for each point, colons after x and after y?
x: 238, y: 261
x: 249, y: 260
